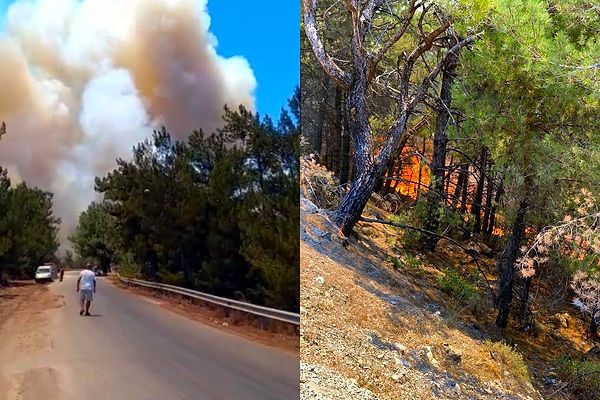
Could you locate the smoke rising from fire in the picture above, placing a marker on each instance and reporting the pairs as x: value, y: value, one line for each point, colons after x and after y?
x: 81, y: 82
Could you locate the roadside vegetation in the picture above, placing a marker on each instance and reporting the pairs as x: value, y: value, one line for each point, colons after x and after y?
x: 28, y: 229
x: 216, y: 212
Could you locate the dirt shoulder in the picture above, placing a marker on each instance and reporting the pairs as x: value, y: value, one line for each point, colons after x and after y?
x: 23, y: 331
x: 279, y: 337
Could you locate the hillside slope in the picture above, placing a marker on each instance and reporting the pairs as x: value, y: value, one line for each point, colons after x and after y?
x: 369, y: 333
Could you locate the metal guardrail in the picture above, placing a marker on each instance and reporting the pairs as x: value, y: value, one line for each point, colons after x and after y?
x: 259, y: 311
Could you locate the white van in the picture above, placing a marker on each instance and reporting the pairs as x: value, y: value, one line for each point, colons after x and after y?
x: 46, y: 273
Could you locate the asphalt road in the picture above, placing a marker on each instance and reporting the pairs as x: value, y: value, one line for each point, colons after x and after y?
x: 133, y: 349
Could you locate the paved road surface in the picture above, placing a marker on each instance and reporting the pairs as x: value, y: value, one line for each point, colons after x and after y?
x: 132, y: 349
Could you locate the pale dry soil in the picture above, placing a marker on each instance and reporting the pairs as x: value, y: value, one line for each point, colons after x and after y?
x: 26, y: 320
x: 369, y: 332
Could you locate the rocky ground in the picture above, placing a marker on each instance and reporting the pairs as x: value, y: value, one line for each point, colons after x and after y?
x: 369, y: 333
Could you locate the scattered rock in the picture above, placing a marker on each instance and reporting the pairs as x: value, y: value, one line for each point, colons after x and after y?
x: 225, y: 324
x: 321, y: 234
x: 452, y: 354
x: 395, y: 377
x: 320, y: 280
x: 400, y: 347
x: 549, y: 381
x: 325, y: 384
x: 308, y: 206
x: 428, y: 353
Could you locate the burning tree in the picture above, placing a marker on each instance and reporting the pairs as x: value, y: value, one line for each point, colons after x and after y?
x: 378, y: 29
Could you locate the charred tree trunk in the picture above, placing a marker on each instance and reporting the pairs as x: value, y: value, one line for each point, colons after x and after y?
x: 321, y: 120
x: 421, y: 161
x: 492, y: 222
x: 525, y: 299
x: 488, y: 203
x: 506, y: 267
x: 479, y: 192
x: 435, y: 197
x: 345, y: 167
x: 368, y: 169
x: 395, y: 168
x: 447, y: 179
x: 458, y: 188
x: 465, y: 190
x: 337, y: 132
x: 387, y: 184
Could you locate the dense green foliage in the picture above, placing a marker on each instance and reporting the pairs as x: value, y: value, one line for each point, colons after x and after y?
x: 28, y: 229
x: 218, y: 213
x: 582, y: 375
x: 521, y: 140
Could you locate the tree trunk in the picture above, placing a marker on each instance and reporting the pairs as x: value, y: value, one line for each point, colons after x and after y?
x: 458, y: 187
x: 488, y: 203
x: 490, y: 228
x: 321, y: 121
x: 435, y: 197
x: 420, y: 158
x: 351, y: 206
x: 337, y: 133
x: 368, y: 168
x: 387, y: 183
x: 345, y: 167
x: 506, y: 267
x: 447, y: 179
x: 465, y: 190
x: 394, y: 168
x: 525, y: 299
x: 479, y: 193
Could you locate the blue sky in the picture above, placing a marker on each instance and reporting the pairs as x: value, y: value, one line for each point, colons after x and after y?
x: 266, y: 33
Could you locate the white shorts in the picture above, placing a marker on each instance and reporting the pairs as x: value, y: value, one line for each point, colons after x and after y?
x: 85, y: 295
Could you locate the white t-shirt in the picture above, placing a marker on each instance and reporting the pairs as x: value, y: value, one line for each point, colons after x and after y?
x: 87, y: 280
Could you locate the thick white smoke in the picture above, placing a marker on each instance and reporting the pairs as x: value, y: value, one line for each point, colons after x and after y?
x: 81, y: 82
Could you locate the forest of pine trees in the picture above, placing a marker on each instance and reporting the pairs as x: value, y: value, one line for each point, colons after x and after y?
x: 217, y: 213
x: 28, y: 228
x: 480, y: 117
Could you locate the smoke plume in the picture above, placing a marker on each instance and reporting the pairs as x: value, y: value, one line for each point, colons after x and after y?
x: 81, y: 82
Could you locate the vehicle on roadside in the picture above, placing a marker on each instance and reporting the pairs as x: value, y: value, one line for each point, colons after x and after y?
x: 46, y: 273
x: 98, y: 272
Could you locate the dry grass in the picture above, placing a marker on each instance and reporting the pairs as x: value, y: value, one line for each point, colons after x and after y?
x: 356, y: 308
x: 510, y: 358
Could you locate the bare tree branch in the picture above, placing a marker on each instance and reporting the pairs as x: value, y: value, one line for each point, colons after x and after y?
x: 437, y: 69
x: 391, y: 41
x: 340, y: 76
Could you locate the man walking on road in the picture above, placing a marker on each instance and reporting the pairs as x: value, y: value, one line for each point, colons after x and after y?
x: 86, y: 286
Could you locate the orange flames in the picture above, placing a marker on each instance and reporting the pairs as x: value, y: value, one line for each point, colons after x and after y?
x: 415, y: 177
x: 413, y: 173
